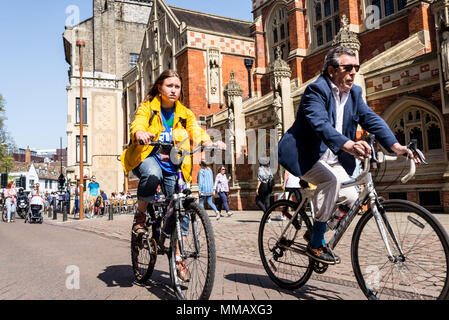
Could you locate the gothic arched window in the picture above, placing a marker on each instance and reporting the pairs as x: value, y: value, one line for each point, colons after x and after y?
x: 279, y: 33
x: 388, y: 7
x: 326, y: 21
x: 422, y: 125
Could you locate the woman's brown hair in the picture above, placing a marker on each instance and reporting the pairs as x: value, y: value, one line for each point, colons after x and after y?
x: 154, y: 91
x: 9, y: 186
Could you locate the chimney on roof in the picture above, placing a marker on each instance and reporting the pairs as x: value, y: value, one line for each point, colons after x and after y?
x: 28, y: 155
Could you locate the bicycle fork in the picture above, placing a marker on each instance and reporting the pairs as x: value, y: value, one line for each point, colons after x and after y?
x: 383, y: 225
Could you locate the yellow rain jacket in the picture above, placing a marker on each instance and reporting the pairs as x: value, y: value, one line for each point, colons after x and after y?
x: 186, y: 133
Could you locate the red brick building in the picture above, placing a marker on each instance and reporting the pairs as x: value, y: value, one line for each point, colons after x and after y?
x: 401, y: 45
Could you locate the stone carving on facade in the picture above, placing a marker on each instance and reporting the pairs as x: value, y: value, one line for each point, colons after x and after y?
x: 277, y: 105
x: 445, y: 55
x: 279, y: 69
x: 440, y: 10
x: 214, y: 75
x: 232, y: 89
x: 346, y: 37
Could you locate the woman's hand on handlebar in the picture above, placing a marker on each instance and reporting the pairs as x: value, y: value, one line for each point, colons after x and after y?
x: 144, y: 137
x: 219, y: 144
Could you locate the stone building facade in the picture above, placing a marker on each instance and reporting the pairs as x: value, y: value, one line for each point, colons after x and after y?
x: 113, y: 38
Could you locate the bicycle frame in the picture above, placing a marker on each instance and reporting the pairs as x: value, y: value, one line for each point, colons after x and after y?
x: 369, y: 192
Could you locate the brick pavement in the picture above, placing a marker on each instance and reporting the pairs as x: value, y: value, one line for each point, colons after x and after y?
x: 236, y: 240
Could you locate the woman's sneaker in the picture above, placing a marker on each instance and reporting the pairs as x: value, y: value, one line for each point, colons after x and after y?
x: 217, y: 215
x: 139, y: 223
x: 323, y: 254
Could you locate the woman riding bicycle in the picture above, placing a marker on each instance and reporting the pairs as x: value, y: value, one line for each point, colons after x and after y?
x: 161, y: 117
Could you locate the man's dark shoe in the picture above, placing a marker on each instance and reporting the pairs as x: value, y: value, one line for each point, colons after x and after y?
x: 323, y: 254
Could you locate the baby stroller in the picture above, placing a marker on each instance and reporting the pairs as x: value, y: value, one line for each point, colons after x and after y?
x: 22, y: 207
x: 34, y: 215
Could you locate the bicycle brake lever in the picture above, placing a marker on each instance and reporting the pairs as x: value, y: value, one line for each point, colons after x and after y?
x: 413, y: 147
x: 370, y: 140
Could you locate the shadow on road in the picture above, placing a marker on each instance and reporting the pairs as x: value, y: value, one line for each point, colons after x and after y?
x: 306, y: 292
x: 123, y: 276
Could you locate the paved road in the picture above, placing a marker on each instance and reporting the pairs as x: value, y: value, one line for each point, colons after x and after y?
x: 42, y: 262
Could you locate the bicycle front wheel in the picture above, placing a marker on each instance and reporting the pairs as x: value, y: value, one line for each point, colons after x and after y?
x: 143, y: 254
x: 282, y: 245
x: 420, y: 273
x: 198, y: 253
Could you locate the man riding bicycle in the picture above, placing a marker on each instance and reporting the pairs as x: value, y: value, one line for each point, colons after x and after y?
x: 161, y: 117
x: 320, y: 147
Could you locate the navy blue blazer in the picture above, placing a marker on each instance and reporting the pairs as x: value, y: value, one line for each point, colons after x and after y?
x: 313, y: 131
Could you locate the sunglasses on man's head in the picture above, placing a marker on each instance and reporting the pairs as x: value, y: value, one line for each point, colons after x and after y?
x: 348, y: 67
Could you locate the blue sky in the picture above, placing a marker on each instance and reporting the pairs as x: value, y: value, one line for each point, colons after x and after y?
x: 33, y: 71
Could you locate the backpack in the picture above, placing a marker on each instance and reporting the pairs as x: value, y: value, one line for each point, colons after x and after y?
x: 98, y: 201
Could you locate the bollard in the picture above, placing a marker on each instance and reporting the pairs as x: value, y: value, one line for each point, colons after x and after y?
x: 111, y: 213
x: 55, y: 217
x: 64, y: 211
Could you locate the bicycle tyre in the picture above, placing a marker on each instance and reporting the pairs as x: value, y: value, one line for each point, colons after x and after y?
x: 4, y: 214
x: 143, y: 255
x: 289, y: 270
x: 419, y: 233
x: 201, y: 265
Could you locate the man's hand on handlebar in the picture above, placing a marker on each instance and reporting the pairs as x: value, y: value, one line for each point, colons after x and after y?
x: 144, y: 137
x: 400, y: 149
x: 360, y: 149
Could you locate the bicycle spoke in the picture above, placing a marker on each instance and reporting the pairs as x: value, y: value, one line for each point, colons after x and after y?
x: 420, y: 273
x: 279, y: 242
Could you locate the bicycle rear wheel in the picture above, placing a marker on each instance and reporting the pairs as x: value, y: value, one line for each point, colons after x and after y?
x: 280, y: 246
x: 143, y: 255
x: 4, y: 218
x: 199, y: 256
x: 421, y: 273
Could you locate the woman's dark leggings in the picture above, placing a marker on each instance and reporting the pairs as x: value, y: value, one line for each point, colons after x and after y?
x: 263, y: 201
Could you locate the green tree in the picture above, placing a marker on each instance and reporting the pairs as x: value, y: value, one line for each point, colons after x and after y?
x: 6, y: 142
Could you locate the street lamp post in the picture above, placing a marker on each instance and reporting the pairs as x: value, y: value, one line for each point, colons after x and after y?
x: 249, y: 64
x: 81, y: 44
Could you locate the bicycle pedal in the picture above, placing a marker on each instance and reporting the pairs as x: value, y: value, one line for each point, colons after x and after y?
x: 320, y: 267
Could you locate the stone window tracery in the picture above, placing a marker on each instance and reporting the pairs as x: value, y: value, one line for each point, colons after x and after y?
x: 422, y: 125
x: 388, y: 7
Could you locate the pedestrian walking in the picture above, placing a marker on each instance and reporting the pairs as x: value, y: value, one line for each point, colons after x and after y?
x: 221, y: 188
x: 206, y: 187
x: 104, y: 198
x: 10, y: 201
x: 77, y: 199
x: 265, y: 183
x: 291, y: 186
x: 93, y: 188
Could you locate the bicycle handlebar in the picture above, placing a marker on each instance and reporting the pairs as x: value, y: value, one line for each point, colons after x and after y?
x: 380, y: 157
x: 183, y: 153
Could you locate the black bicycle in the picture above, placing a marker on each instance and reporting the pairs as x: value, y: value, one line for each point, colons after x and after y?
x: 399, y: 250
x: 191, y: 236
